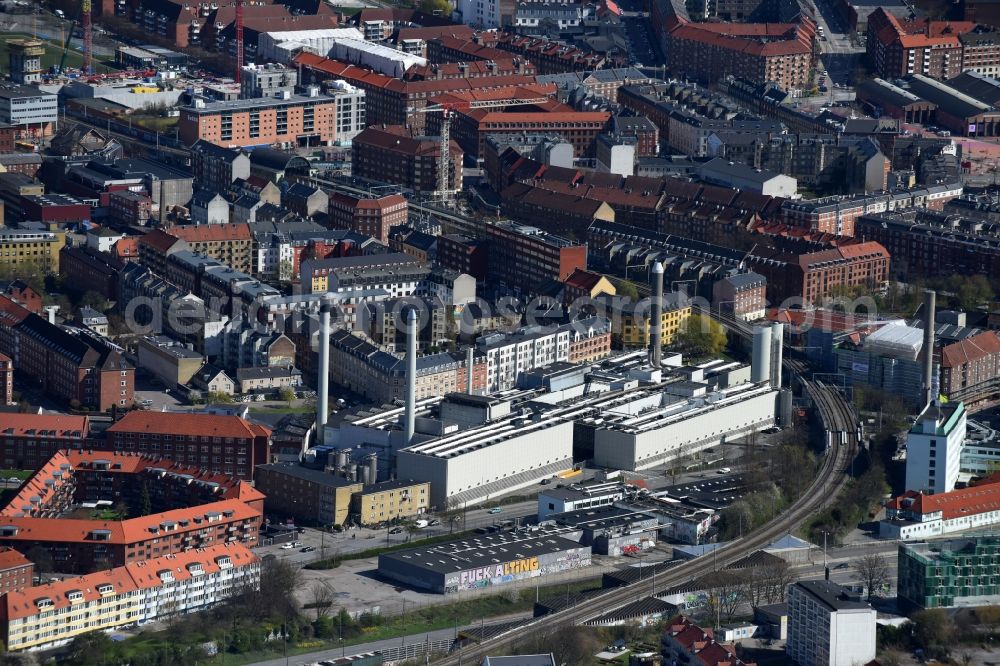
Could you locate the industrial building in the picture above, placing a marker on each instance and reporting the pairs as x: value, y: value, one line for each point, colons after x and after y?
x: 484, y: 561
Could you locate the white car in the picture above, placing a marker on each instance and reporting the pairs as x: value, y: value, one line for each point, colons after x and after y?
x: 287, y: 546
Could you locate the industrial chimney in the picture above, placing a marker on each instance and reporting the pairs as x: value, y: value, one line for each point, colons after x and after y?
x: 323, y: 380
x: 469, y: 362
x: 760, y: 363
x: 777, y: 353
x: 656, y: 317
x: 411, y: 373
x: 930, y: 307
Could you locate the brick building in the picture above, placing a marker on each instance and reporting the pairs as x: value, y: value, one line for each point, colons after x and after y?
x: 757, y: 52
x: 29, y: 440
x: 199, y: 510
x: 525, y: 257
x: 16, y: 571
x: 85, y: 269
x: 744, y: 296
x: 393, y: 155
x: 130, y: 208
x: 6, y: 380
x: 298, y: 120
x: 222, y: 443
x: 229, y: 243
x: 371, y: 216
x: 970, y: 369
x: 78, y: 368
x: 463, y: 254
x: 933, y: 48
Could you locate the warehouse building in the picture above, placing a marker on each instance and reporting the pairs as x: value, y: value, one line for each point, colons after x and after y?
x: 484, y: 561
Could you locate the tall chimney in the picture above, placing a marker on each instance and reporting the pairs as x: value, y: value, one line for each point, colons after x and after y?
x: 655, y: 317
x: 50, y: 313
x: 323, y: 380
x: 777, y: 353
x: 760, y: 363
x: 930, y: 307
x: 469, y: 361
x: 411, y: 372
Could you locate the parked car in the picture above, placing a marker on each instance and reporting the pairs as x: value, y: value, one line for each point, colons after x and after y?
x: 495, y: 510
x: 434, y: 522
x: 307, y: 549
x: 287, y: 546
x: 396, y: 530
x: 723, y: 470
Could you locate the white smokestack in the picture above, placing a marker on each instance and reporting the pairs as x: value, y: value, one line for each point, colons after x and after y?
x: 777, y: 353
x: 930, y: 317
x: 655, y: 317
x: 50, y: 312
x: 323, y: 380
x: 760, y: 363
x: 411, y: 372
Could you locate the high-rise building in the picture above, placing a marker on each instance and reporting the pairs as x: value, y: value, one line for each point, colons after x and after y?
x: 934, y: 448
x: 827, y: 627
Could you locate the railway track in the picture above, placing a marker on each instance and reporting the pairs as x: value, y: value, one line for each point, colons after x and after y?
x: 841, y: 428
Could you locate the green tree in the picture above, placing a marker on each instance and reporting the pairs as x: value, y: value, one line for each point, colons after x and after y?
x: 145, y: 500
x: 442, y: 7
x: 286, y: 394
x: 701, y: 335
x: 628, y: 289
x: 973, y: 291
x: 219, y: 398
x: 92, y: 299
x: 933, y: 628
x: 95, y: 647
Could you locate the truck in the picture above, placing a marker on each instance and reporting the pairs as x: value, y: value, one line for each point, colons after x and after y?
x: 421, y: 524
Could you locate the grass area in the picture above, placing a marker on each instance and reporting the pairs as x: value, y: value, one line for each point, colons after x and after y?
x: 19, y: 473
x: 53, y: 53
x: 156, y: 123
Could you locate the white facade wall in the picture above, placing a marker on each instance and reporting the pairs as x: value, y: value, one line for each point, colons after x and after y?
x: 819, y: 636
x: 928, y: 451
x: 524, y: 452
x: 382, y: 59
x: 200, y: 590
x: 706, y: 427
x: 505, y: 362
x: 480, y: 13
x: 316, y: 41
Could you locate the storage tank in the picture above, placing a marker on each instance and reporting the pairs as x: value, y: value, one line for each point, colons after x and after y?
x: 343, y: 456
x: 352, y: 472
x: 371, y: 464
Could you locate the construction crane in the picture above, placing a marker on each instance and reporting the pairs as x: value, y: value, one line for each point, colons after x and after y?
x: 88, y: 38
x: 239, y: 40
x: 447, y: 110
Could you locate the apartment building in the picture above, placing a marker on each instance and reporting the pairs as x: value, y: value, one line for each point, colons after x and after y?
x: 524, y: 257
x: 921, y: 46
x: 23, y: 251
x: 828, y: 627
x: 230, y: 244
x: 630, y: 323
x: 285, y: 120
x: 934, y: 448
x: 76, y: 367
x: 130, y: 208
x: 390, y: 500
x: 970, y: 369
x: 222, y: 443
x: 216, y: 167
x: 32, y: 112
x: 464, y: 255
x: 310, y: 495
x: 16, y: 571
x: 6, y: 380
x: 396, y: 274
x: 744, y: 296
x: 52, y: 615
x: 28, y: 440
x: 85, y: 269
x: 393, y: 155
x: 709, y: 52
x: 946, y: 574
x: 371, y: 216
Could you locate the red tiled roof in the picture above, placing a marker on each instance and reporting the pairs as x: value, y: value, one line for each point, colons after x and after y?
x: 583, y: 279
x: 126, y: 247
x: 981, y: 498
x: 971, y: 349
x: 159, y: 240
x: 144, y: 575
x: 181, y: 423
x: 10, y: 559
x: 20, y: 425
x: 194, y: 233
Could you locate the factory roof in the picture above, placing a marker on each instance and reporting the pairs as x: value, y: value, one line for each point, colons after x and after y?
x: 207, y: 108
x: 485, y: 550
x: 316, y: 476
x: 394, y: 484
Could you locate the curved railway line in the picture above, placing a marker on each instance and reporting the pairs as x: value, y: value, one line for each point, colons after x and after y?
x: 840, y: 426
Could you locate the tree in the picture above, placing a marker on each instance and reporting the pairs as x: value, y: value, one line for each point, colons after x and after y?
x: 276, y: 596
x: 627, y: 289
x: 701, y: 335
x: 436, y: 7
x: 872, y: 570
x: 767, y: 584
x: 322, y: 598
x: 95, y: 647
x: 94, y: 300
x: 932, y: 628
x: 286, y: 394
x: 145, y: 501
x: 42, y: 559
x: 973, y: 291
x: 726, y: 593
x: 219, y: 398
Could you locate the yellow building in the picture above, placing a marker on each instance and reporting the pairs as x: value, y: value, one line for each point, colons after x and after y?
x: 390, y: 500
x: 630, y: 321
x: 26, y: 251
